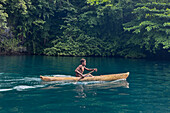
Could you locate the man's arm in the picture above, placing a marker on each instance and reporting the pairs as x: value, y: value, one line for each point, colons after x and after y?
x: 95, y: 69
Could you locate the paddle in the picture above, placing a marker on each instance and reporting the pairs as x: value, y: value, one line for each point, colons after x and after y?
x: 88, y: 73
x: 84, y: 76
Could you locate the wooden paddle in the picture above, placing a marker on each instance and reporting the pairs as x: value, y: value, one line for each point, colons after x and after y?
x: 88, y: 73
x: 84, y: 76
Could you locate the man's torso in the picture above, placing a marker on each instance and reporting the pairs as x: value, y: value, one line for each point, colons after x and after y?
x: 80, y: 68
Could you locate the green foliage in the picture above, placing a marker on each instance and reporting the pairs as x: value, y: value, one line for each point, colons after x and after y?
x: 3, y: 17
x: 151, y: 22
x: 82, y: 33
x: 31, y: 20
x: 97, y: 2
x: 125, y: 28
x: 10, y: 45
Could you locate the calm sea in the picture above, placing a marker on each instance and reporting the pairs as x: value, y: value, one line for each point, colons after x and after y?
x: 146, y: 90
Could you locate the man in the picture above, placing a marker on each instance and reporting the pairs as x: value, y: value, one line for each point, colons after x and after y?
x: 80, y: 69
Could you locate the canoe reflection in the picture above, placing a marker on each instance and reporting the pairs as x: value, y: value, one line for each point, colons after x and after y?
x: 82, y: 89
x: 112, y: 84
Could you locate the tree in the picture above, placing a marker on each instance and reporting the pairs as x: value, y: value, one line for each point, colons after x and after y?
x: 150, y: 26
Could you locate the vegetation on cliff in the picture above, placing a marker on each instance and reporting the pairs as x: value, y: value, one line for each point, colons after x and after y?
x: 128, y: 28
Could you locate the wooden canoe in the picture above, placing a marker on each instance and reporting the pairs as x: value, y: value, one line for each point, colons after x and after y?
x: 109, y: 77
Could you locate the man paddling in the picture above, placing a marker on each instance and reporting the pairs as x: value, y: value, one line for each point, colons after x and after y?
x: 80, y: 69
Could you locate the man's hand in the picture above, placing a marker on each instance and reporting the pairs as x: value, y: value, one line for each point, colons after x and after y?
x: 95, y: 69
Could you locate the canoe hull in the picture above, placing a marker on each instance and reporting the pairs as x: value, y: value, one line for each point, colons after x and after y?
x: 109, y: 77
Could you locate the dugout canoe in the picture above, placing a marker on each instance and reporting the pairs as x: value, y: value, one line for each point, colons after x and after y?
x: 109, y: 77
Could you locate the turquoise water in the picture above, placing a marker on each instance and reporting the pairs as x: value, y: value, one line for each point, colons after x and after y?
x: 146, y: 90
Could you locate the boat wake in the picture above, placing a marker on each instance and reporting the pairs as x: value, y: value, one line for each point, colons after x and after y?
x: 22, y: 88
x: 25, y: 87
x: 1, y: 73
x: 1, y: 90
x: 9, y: 83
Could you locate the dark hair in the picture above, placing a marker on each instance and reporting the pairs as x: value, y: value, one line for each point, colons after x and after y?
x: 82, y: 60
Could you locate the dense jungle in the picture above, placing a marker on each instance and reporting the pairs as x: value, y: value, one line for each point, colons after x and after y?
x: 119, y: 28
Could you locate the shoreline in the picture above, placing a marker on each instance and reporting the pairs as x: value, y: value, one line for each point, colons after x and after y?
x: 29, y: 54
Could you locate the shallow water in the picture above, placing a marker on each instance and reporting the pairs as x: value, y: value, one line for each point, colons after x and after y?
x: 146, y: 90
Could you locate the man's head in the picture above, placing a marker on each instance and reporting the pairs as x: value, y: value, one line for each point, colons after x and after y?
x: 83, y: 61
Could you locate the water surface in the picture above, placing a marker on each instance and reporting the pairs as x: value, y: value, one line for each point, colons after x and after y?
x: 146, y: 90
